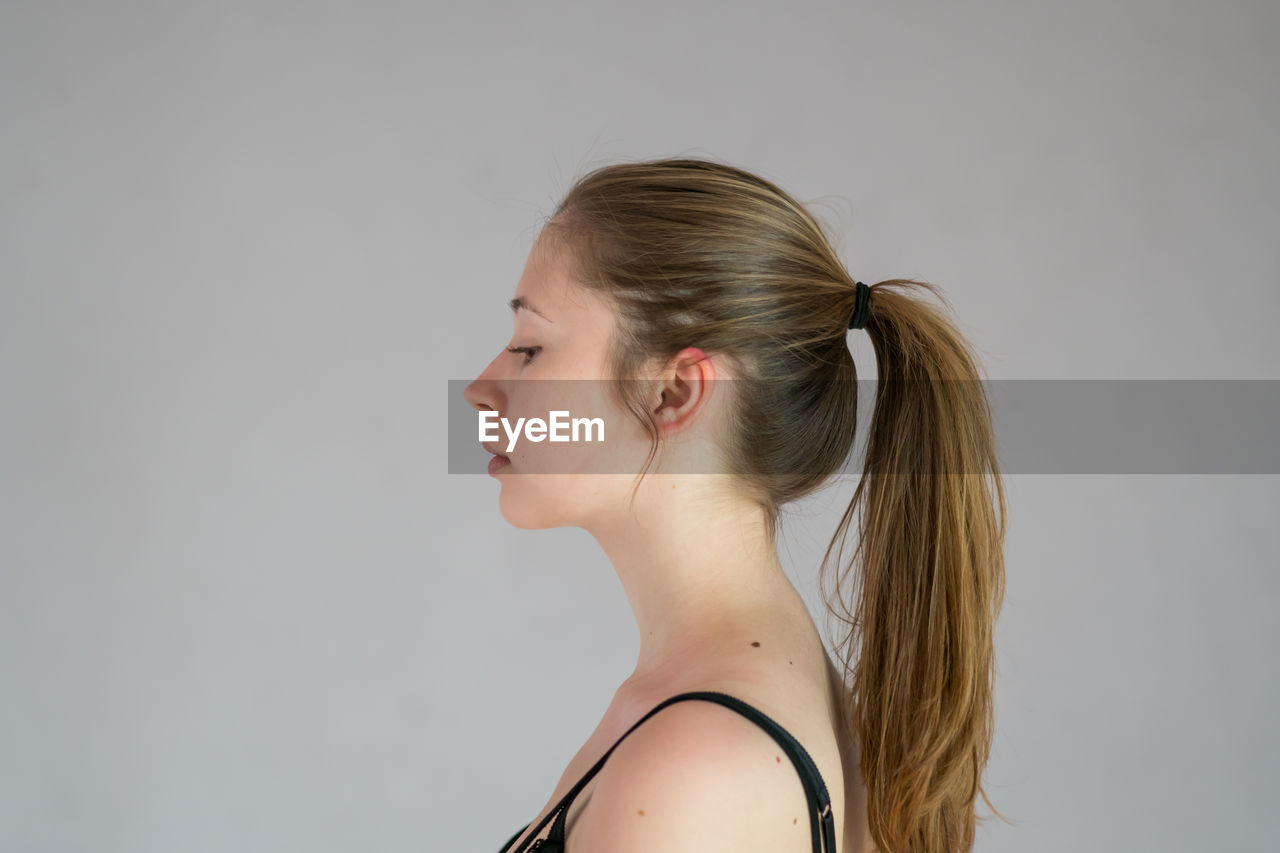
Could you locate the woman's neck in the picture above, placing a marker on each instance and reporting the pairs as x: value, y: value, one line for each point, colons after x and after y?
x: 696, y: 567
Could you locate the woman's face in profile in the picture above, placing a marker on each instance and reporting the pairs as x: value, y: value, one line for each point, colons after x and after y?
x: 555, y: 361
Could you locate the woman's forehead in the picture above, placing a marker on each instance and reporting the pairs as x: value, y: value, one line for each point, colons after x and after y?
x: 548, y: 289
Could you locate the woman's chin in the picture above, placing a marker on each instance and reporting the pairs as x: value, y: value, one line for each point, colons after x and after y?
x: 522, y: 513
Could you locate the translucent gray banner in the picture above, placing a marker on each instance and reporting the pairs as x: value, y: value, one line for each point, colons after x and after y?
x: 1041, y: 426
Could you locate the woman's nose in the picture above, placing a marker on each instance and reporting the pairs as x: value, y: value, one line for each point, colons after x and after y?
x: 484, y: 392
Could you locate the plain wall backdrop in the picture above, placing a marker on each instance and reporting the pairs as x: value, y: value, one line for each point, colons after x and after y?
x: 243, y: 247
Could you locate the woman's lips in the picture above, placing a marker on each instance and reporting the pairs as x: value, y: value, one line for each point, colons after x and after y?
x: 498, y: 462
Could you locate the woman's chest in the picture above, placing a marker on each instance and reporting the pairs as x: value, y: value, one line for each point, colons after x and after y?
x: 606, y: 733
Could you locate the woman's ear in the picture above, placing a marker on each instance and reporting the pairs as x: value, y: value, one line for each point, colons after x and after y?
x: 682, y: 389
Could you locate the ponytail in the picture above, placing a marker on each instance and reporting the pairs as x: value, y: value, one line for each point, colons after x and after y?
x: 924, y: 605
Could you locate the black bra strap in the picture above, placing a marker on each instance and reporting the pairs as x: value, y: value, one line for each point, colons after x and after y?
x: 821, y: 821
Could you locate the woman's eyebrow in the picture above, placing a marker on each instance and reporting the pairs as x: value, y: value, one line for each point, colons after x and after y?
x: 520, y: 302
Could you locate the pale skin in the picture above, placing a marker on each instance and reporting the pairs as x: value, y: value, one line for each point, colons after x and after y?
x: 714, y: 608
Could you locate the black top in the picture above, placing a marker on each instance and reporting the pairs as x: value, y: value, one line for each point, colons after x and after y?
x: 815, y: 791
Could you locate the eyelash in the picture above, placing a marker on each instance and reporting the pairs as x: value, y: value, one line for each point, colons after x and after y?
x: 529, y: 352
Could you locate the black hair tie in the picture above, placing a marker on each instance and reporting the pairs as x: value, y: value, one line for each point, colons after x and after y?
x: 862, y: 312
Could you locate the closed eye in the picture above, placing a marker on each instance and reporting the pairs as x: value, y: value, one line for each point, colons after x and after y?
x: 529, y: 352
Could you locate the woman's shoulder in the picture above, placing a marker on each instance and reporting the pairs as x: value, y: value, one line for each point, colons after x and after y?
x: 696, y: 776
x: 719, y: 750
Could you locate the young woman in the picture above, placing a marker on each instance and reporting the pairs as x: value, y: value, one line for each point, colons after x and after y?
x: 736, y: 731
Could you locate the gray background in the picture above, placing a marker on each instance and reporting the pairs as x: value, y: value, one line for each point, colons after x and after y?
x: 243, y: 246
